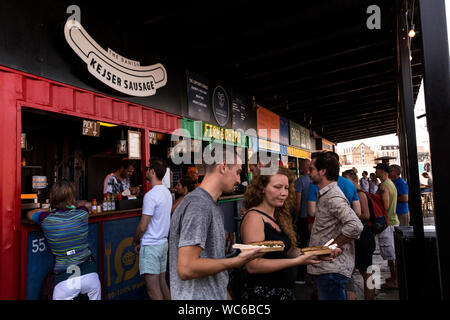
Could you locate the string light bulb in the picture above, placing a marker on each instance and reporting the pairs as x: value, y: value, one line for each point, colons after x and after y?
x: 411, y: 32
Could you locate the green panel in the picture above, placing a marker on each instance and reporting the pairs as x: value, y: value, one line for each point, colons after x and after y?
x: 194, y: 127
x: 218, y: 133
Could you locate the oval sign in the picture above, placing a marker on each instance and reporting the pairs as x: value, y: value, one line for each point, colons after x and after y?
x: 221, y: 106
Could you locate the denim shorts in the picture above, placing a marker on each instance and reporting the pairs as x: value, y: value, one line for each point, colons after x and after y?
x: 153, y: 259
x: 332, y: 286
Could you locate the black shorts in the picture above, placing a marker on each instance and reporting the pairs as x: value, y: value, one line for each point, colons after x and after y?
x: 364, y: 248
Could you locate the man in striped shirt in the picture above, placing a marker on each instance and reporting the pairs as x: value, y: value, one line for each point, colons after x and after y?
x: 66, y: 230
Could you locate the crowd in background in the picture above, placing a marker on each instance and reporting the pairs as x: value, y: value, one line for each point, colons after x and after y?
x: 186, y: 236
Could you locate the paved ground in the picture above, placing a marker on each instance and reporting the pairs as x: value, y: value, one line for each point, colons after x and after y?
x: 304, y: 291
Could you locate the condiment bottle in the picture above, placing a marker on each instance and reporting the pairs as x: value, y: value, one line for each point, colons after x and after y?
x: 106, y: 203
x: 94, y: 205
x: 113, y: 203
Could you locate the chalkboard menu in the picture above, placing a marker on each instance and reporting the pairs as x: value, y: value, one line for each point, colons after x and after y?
x: 238, y: 113
x: 221, y: 106
x: 198, y: 96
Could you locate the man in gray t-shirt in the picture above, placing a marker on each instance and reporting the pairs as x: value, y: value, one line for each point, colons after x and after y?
x: 198, y: 267
x: 198, y: 221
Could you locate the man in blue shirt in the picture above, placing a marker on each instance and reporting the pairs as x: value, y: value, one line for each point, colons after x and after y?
x: 402, y: 194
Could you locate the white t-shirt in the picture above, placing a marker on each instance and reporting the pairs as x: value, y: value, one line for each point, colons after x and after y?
x: 158, y: 204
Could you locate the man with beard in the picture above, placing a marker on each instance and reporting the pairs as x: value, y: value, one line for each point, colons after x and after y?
x: 334, y: 219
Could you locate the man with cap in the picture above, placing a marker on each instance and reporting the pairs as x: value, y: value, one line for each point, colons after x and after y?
x: 388, y: 193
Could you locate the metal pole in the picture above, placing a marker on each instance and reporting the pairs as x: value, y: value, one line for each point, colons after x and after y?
x: 409, y: 126
x: 409, y: 152
x: 437, y: 102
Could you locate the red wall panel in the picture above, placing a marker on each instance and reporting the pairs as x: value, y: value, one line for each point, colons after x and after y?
x: 120, y: 111
x: 62, y: 98
x: 135, y: 114
x: 84, y: 103
x: 37, y: 91
x: 10, y: 86
x: 104, y: 107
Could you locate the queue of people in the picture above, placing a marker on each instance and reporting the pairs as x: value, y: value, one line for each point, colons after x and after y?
x: 186, y: 237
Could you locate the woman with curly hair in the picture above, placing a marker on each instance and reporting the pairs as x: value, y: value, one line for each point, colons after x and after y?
x: 269, y: 199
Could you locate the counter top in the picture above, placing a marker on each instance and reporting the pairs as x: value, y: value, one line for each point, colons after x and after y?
x: 108, y: 213
x: 102, y: 214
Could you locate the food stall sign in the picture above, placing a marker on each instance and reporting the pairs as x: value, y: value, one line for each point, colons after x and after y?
x: 153, y: 137
x: 298, y: 153
x: 284, y: 150
x: 134, y: 145
x: 219, y: 134
x: 120, y: 73
x: 268, y: 124
x: 198, y: 96
x: 193, y: 127
x: 327, y: 145
x: 91, y: 128
x: 221, y: 106
x: 284, y: 131
x: 295, y: 134
x: 269, y: 145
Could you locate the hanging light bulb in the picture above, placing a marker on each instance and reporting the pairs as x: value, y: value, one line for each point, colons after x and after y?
x: 411, y: 32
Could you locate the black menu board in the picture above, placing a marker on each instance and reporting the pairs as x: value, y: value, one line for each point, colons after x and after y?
x: 239, y: 113
x: 198, y: 96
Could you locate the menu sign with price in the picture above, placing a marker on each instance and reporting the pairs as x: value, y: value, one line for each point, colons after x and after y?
x: 238, y: 113
x: 91, y: 128
x: 198, y: 96
x: 153, y: 138
x: 134, y: 145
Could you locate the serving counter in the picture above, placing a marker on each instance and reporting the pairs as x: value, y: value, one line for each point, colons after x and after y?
x: 110, y: 240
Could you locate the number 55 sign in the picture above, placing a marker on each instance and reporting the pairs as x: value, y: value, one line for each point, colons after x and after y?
x: 38, y: 245
x: 39, y: 262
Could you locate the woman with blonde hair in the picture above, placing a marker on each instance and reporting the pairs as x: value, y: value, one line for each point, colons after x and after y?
x: 269, y: 199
